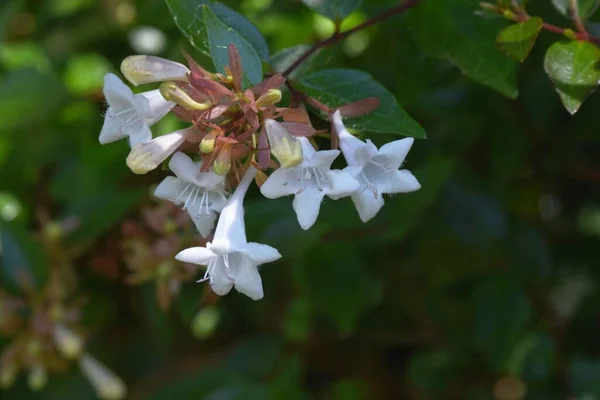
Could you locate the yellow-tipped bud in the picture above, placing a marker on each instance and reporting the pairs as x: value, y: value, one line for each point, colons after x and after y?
x: 68, y: 342
x: 172, y: 92
x: 147, y: 69
x: 207, y: 145
x: 569, y: 33
x: 285, y: 147
x: 273, y: 96
x: 145, y: 157
x: 38, y: 378
x: 221, y: 167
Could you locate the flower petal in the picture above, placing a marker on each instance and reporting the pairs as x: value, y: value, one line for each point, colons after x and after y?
x: 170, y: 189
x: 142, y: 69
x: 247, y: 279
x: 280, y: 183
x: 111, y: 129
x: 219, y: 282
x: 365, y: 153
x: 396, y: 152
x: 343, y: 184
x: 367, y: 204
x: 204, y: 222
x: 138, y: 133
x: 196, y: 255
x: 402, y: 181
x: 158, y: 107
x: 307, y: 205
x: 118, y: 95
x: 323, y: 159
x: 261, y: 253
x: 183, y: 167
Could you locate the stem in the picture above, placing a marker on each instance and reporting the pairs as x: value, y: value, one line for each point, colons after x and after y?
x: 577, y: 18
x: 337, y: 36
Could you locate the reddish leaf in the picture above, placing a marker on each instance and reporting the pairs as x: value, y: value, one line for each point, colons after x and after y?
x: 235, y: 64
x: 360, y: 107
x: 299, y: 129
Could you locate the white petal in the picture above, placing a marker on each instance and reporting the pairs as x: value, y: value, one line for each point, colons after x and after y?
x: 247, y: 278
x: 343, y: 184
x: 139, y: 133
x: 396, y: 152
x: 281, y: 183
x: 111, y: 129
x: 402, y: 181
x: 182, y: 165
x: 365, y: 153
x: 170, y: 189
x: 148, y: 155
x: 367, y: 205
x: 204, y: 223
x: 217, y: 201
x: 324, y: 158
x: 142, y: 69
x: 210, y: 180
x: 219, y: 282
x: 118, y: 96
x: 157, y: 105
x: 307, y: 149
x: 348, y: 142
x: 307, y: 205
x: 195, y: 255
x: 261, y: 253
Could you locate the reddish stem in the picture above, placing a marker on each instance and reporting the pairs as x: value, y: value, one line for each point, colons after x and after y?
x: 337, y: 36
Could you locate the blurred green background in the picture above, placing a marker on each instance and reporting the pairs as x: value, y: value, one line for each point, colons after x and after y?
x: 482, y: 285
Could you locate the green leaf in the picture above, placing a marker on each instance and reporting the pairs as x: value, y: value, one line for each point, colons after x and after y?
x: 517, y: 40
x: 449, y: 29
x: 284, y: 59
x: 188, y: 17
x: 335, y: 10
x: 219, y: 38
x: 336, y: 87
x: 586, y: 7
x: 22, y: 261
x: 573, y: 68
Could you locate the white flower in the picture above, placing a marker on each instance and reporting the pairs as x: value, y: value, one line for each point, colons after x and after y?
x: 130, y: 115
x: 201, y: 194
x: 230, y: 259
x: 309, y: 182
x: 148, y: 69
x: 145, y: 157
x: 375, y: 169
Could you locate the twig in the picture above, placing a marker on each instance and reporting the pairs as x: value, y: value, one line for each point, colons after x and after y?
x: 337, y: 36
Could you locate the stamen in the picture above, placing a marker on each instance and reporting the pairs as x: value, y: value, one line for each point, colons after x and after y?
x: 227, y: 268
x: 182, y: 192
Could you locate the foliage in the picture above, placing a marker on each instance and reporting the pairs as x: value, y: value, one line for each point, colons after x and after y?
x: 480, y: 285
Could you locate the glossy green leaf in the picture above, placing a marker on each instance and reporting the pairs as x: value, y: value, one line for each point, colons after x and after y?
x: 22, y: 261
x: 188, y: 17
x: 517, y: 40
x: 336, y: 87
x: 333, y: 9
x: 284, y: 59
x: 220, y: 37
x: 573, y: 68
x: 449, y: 29
x: 586, y: 7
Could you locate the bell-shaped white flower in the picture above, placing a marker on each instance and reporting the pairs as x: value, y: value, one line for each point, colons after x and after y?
x: 201, y: 194
x: 377, y: 170
x: 130, y: 115
x: 231, y: 261
x: 309, y: 182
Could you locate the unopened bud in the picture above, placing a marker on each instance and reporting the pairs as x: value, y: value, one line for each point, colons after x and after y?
x: 205, y: 322
x: 38, y: 378
x: 285, y: 147
x: 273, y: 96
x: 107, y: 385
x: 145, y: 157
x: 172, y: 92
x: 207, y: 145
x: 221, y: 167
x: 68, y: 342
x: 510, y: 15
x: 147, y: 69
x: 8, y: 375
x: 569, y: 33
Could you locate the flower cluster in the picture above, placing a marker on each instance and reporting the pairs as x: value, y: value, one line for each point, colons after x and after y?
x: 237, y: 136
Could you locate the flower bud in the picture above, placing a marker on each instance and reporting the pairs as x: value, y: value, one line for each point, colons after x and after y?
x: 107, y: 385
x: 286, y: 148
x: 207, y: 145
x: 145, y: 157
x: 172, y: 92
x: 38, y: 378
x: 222, y: 163
x: 147, y: 69
x: 273, y: 96
x: 68, y: 342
